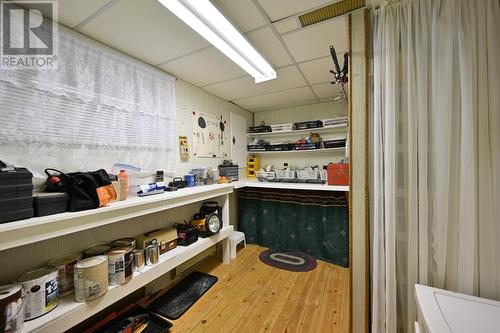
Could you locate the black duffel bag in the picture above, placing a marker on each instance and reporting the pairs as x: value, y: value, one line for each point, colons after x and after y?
x: 86, y: 190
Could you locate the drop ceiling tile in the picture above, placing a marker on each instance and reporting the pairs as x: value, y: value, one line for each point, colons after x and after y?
x: 278, y: 9
x: 288, y: 24
x: 270, y: 47
x: 204, y: 67
x: 287, y: 78
x: 277, y: 99
x: 314, y: 41
x: 72, y: 12
x: 327, y: 90
x: 242, y: 13
x: 145, y: 30
x: 318, y: 71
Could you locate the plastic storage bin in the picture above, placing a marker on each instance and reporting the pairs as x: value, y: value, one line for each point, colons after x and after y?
x: 230, y: 171
x: 16, y: 198
x: 307, y: 174
x: 285, y: 174
x: 50, y: 203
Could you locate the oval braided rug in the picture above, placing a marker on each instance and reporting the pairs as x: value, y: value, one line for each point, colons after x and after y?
x: 294, y: 261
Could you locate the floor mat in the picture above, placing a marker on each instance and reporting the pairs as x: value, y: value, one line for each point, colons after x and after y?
x: 177, y: 300
x: 291, y: 261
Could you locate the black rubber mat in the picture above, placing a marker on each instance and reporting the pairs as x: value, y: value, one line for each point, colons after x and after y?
x: 177, y: 300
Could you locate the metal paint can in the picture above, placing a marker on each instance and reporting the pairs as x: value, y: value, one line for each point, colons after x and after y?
x: 91, y: 278
x: 64, y: 266
x: 11, y: 308
x: 152, y: 254
x: 138, y: 259
x: 41, y: 288
x: 120, y: 265
x: 123, y: 242
x: 96, y: 250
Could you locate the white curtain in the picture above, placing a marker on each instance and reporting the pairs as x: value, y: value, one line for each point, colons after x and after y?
x: 435, y: 153
x: 99, y: 107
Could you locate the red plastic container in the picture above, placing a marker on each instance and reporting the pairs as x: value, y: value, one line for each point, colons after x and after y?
x: 338, y: 173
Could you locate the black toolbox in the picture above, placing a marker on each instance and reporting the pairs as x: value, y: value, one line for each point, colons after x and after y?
x: 337, y: 143
x: 280, y: 147
x: 260, y: 129
x: 16, y: 198
x: 46, y: 203
x: 308, y: 124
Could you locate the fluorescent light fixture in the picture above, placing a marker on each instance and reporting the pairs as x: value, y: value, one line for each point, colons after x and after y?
x: 206, y: 20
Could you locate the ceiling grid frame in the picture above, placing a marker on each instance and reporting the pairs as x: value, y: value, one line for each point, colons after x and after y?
x: 277, y: 34
x: 95, y: 15
x: 273, y: 39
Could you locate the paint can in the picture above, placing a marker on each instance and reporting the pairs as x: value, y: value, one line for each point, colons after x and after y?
x: 138, y: 259
x: 123, y: 242
x: 189, y: 178
x: 120, y: 265
x: 95, y: 250
x: 152, y: 254
x: 11, y: 308
x: 91, y: 278
x: 41, y: 288
x: 64, y: 266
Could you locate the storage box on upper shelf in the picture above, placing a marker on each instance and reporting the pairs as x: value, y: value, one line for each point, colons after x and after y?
x: 338, y: 173
x: 260, y: 129
x: 336, y: 143
x: 279, y: 147
x: 281, y: 128
x: 256, y: 147
x: 16, y: 199
x: 330, y: 122
x: 307, y: 124
x: 306, y: 146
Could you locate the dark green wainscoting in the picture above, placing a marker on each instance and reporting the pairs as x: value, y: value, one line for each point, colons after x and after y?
x: 314, y: 222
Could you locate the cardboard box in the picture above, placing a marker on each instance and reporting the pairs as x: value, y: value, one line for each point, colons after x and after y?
x: 166, y: 239
x: 338, y: 173
x: 120, y: 187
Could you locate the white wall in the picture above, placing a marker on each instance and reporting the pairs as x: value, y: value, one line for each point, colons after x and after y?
x: 316, y: 111
x: 190, y: 98
x: 22, y: 259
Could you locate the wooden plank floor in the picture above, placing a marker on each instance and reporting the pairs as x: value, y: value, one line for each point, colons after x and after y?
x: 253, y: 297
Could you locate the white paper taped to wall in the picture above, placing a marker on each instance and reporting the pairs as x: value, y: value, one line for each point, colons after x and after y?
x: 209, y: 135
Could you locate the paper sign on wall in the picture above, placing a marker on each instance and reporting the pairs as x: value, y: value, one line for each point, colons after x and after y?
x: 209, y: 135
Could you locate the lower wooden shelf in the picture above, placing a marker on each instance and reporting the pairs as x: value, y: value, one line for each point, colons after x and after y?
x: 69, y: 313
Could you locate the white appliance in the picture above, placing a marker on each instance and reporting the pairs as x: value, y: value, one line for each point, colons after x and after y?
x: 443, y: 311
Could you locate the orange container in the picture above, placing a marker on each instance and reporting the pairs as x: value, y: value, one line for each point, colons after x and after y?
x: 338, y: 174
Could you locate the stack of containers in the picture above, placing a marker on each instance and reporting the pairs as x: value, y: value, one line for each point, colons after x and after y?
x: 16, y: 198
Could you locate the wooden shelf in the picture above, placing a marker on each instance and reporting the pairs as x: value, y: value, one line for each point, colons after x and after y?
x: 329, y: 129
x: 289, y: 186
x: 321, y: 150
x: 69, y: 313
x: 13, y: 234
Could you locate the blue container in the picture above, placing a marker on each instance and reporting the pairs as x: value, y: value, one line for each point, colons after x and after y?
x: 189, y: 178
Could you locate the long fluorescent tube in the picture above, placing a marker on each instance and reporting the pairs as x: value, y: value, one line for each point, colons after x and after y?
x: 206, y: 20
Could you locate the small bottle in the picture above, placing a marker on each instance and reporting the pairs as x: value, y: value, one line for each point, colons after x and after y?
x: 285, y: 166
x: 123, y: 176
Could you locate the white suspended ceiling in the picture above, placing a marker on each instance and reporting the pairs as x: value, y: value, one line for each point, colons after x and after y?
x: 146, y: 30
